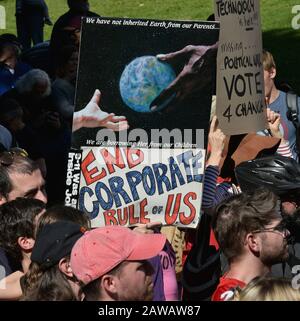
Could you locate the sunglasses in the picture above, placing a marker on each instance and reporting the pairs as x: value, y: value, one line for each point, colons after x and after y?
x: 7, y: 158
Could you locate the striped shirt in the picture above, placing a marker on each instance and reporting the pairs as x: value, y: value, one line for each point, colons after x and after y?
x: 214, y: 194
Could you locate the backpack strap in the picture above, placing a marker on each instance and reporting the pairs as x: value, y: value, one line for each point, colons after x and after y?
x: 292, y: 115
x: 292, y: 108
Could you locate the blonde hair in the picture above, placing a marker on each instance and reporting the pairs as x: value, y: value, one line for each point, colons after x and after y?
x: 268, y: 289
x: 268, y: 61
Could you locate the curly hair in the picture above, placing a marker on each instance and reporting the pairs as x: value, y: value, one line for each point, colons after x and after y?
x: 27, y: 82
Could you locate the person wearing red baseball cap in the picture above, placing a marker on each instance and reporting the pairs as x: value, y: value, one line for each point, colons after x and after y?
x: 111, y: 263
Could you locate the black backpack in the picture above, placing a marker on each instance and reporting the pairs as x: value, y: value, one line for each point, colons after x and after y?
x: 292, y: 105
x: 292, y: 115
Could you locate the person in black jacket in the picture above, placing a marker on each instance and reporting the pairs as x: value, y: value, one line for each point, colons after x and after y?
x: 30, y: 18
x: 202, y: 268
x: 67, y: 26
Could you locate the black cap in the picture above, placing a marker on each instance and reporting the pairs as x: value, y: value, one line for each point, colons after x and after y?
x: 54, y: 242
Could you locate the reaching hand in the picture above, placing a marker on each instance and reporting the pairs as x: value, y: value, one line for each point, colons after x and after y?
x: 92, y: 116
x: 274, y: 123
x: 195, y: 75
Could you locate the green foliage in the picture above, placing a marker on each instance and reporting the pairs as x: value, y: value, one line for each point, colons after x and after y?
x: 278, y: 35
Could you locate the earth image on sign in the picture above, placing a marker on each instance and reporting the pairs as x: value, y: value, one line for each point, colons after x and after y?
x: 142, y: 80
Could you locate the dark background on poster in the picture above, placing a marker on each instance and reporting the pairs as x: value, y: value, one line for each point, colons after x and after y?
x: 107, y: 49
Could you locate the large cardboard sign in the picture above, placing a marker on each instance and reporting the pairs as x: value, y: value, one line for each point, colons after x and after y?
x: 240, y: 82
x: 128, y: 186
x: 158, y: 74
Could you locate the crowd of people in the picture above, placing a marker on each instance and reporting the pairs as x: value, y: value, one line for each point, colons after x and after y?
x: 247, y: 243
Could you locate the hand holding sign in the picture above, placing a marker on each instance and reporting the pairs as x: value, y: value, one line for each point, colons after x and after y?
x: 92, y: 116
x: 147, y: 228
x: 240, y: 79
x: 274, y: 123
x: 216, y: 140
x: 195, y: 75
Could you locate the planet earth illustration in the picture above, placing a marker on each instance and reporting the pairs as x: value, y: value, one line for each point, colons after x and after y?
x: 142, y: 80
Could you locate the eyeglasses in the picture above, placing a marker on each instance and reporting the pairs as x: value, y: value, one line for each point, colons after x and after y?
x: 7, y: 158
x: 280, y: 228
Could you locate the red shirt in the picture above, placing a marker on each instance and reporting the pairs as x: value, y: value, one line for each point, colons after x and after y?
x: 225, y: 289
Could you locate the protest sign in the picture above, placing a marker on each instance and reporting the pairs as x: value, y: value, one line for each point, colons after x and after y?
x: 128, y: 186
x: 157, y: 93
x: 240, y: 79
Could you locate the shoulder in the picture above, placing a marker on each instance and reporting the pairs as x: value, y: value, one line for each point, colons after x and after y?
x: 59, y: 82
x: 10, y: 94
x: 4, y: 71
x: 4, y: 264
x: 62, y: 20
x: 279, y: 102
x: 281, y: 97
x: 22, y: 67
x: 92, y: 14
x: 226, y: 288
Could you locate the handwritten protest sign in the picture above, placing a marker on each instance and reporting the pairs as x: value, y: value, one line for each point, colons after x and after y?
x: 240, y: 82
x: 159, y: 76
x: 127, y: 186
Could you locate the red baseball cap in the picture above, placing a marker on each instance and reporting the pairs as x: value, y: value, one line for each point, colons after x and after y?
x: 100, y: 250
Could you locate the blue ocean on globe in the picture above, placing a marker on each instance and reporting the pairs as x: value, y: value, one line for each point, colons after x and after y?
x: 142, y: 80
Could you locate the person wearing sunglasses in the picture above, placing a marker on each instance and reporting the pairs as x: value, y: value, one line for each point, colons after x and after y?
x: 253, y: 237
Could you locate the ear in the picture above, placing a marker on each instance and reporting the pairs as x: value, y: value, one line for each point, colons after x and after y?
x: 109, y: 283
x: 253, y: 242
x: 65, y: 267
x: 3, y: 199
x: 272, y: 73
x: 26, y: 243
